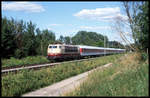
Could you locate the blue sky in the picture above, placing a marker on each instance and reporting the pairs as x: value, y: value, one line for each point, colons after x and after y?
x: 67, y: 18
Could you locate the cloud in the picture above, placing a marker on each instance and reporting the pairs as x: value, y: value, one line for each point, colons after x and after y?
x: 55, y: 24
x: 22, y: 6
x: 49, y: 28
x: 95, y: 27
x: 100, y: 14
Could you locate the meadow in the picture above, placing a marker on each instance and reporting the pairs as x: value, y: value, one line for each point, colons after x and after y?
x: 13, y: 62
x: 30, y: 80
x: 127, y: 77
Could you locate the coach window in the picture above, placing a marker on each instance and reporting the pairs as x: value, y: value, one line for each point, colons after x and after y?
x: 50, y: 46
x: 59, y: 46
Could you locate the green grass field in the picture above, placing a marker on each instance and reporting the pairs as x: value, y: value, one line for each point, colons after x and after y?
x: 27, y: 60
x: 127, y: 77
x: 29, y: 80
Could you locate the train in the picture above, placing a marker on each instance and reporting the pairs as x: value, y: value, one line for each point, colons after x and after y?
x: 63, y: 51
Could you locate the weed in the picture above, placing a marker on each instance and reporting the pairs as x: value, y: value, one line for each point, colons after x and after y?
x: 28, y: 60
x: 29, y: 80
x: 127, y: 77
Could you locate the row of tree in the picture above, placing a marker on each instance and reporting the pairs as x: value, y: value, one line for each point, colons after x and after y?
x: 91, y: 39
x: 20, y: 39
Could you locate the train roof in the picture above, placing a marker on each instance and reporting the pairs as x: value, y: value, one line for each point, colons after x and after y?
x: 93, y: 47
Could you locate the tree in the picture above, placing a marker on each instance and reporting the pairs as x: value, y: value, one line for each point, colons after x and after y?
x: 48, y: 37
x: 115, y: 44
x: 29, y: 41
x: 19, y: 27
x: 142, y: 22
x: 137, y: 13
x: 61, y: 39
x: 39, y: 43
x: 126, y: 27
x: 100, y: 43
x: 8, y: 45
x: 67, y: 40
x: 88, y: 38
x: 20, y: 39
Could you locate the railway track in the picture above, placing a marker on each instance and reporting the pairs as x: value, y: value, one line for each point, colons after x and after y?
x: 16, y: 69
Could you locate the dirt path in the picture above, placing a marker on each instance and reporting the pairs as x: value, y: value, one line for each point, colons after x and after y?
x: 64, y: 86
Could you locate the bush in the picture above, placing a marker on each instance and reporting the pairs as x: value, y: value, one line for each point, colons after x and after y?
x: 144, y: 56
x: 18, y: 53
x: 27, y: 60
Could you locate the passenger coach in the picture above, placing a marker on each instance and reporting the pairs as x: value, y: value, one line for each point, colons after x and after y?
x: 93, y: 51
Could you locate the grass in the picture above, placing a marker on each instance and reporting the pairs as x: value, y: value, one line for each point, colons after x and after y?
x: 127, y: 77
x: 29, y: 80
x: 28, y: 60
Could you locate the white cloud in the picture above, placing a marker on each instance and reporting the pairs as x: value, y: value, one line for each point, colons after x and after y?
x: 95, y: 27
x: 22, y: 6
x: 49, y: 28
x: 55, y: 24
x: 100, y: 14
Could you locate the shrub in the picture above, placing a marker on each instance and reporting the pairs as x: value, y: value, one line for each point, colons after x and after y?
x: 144, y: 56
x: 27, y: 60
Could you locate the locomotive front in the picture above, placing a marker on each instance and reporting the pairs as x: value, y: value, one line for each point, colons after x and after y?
x: 54, y: 51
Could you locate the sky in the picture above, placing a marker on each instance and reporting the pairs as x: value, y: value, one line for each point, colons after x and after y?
x: 67, y: 18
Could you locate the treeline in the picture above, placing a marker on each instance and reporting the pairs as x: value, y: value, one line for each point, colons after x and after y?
x: 20, y: 39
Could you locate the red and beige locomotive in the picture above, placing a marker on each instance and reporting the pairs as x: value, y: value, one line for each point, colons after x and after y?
x: 62, y: 51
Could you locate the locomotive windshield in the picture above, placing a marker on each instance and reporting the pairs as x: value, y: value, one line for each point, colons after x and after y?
x: 52, y: 46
